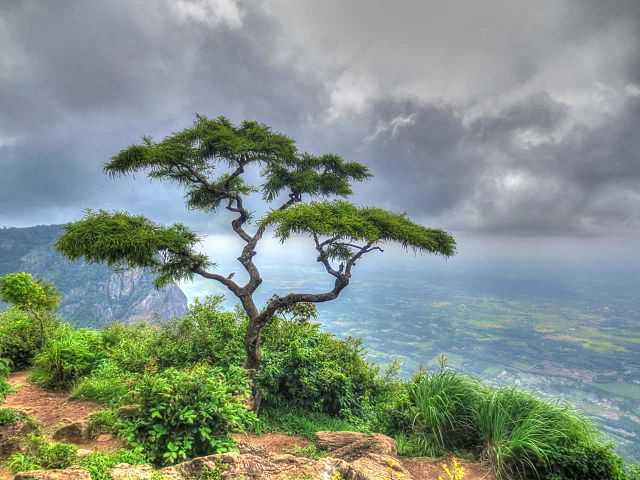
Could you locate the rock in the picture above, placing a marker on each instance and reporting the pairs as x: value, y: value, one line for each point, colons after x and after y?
x: 11, y: 437
x: 124, y: 471
x: 65, y: 474
x: 376, y: 467
x: 233, y: 466
x: 71, y: 432
x: 83, y: 452
x: 352, y: 445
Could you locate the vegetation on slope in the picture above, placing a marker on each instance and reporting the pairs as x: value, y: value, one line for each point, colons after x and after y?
x: 178, y: 390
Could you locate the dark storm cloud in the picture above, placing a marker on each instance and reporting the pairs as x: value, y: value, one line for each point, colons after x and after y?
x: 503, y: 173
x: 82, y: 80
x: 504, y: 117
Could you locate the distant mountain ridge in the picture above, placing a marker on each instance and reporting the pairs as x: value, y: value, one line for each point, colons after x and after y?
x: 92, y: 295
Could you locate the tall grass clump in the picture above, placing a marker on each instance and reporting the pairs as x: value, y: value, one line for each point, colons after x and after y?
x: 442, y: 407
x: 520, y: 434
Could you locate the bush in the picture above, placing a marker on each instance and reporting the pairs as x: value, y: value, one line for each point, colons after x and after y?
x: 591, y: 461
x: 67, y: 356
x: 43, y: 454
x: 108, y: 383
x: 204, y: 334
x: 5, y: 388
x: 9, y: 416
x: 99, y: 463
x: 305, y: 368
x: 19, y: 338
x: 185, y: 413
x: 104, y: 421
x: 130, y: 347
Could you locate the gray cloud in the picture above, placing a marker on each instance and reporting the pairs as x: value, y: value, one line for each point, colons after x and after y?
x: 503, y: 117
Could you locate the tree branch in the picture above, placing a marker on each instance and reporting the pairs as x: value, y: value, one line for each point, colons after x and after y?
x: 226, y: 281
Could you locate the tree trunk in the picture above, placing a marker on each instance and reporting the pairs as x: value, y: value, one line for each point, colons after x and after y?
x: 254, y: 356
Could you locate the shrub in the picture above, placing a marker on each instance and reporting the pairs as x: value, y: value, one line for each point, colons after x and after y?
x: 9, y: 416
x: 67, y: 356
x: 99, y: 463
x: 43, y: 454
x: 19, y: 338
x: 204, y: 334
x: 590, y: 461
x: 184, y: 413
x: 104, y: 421
x: 306, y: 368
x: 5, y: 388
x: 130, y: 347
x: 108, y: 383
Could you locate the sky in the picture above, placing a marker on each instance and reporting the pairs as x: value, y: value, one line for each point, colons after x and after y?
x: 513, y: 124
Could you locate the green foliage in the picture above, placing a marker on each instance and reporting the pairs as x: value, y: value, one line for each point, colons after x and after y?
x: 307, y: 368
x: 19, y: 338
x: 23, y: 291
x: 192, y: 154
x: 99, y: 463
x: 343, y: 220
x: 130, y: 347
x: 204, y: 334
x: 633, y: 472
x: 316, y: 175
x: 306, y: 423
x: 5, y: 388
x: 184, y: 413
x: 43, y: 454
x: 119, y: 239
x: 589, y: 461
x: 308, y: 451
x: 9, y: 416
x: 69, y: 355
x: 520, y: 432
x: 108, y: 383
x: 103, y: 421
x: 442, y: 408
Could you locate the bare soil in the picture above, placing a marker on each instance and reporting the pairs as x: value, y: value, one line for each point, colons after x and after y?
x: 54, y: 409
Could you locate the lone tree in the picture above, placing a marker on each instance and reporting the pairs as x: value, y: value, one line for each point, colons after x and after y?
x: 36, y: 297
x: 210, y: 160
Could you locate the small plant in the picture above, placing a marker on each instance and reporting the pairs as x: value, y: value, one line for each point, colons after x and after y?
x: 452, y: 470
x: 99, y: 463
x: 104, y: 421
x: 9, y: 416
x: 43, y: 454
x: 308, y: 451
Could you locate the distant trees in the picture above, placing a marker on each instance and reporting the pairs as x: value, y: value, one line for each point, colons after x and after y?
x: 37, y: 298
x: 210, y: 160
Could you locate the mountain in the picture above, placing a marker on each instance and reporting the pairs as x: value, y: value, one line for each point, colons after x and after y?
x: 92, y: 295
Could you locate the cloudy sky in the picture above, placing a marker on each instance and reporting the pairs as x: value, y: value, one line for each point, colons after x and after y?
x: 508, y: 120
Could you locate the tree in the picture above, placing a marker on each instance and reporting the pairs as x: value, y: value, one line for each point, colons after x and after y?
x: 342, y: 232
x: 38, y: 298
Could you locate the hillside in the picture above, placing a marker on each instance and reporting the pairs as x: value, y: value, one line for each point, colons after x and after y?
x: 92, y: 295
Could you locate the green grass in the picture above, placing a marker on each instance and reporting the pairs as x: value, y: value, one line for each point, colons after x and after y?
x: 303, y: 423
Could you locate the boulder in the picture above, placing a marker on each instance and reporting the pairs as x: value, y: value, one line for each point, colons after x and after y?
x: 64, y: 474
x: 11, y: 437
x: 124, y: 471
x: 232, y: 466
x: 75, y: 432
x: 352, y: 445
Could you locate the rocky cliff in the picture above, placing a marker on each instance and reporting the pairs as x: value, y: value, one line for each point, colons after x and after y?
x: 93, y: 295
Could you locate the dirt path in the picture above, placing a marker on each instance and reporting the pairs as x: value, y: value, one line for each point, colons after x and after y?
x: 51, y: 409
x: 54, y: 409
